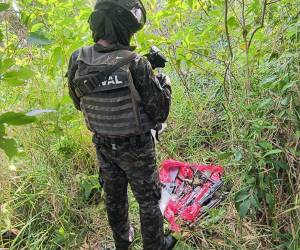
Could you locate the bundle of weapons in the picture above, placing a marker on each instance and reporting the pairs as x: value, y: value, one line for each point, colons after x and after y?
x: 189, y: 191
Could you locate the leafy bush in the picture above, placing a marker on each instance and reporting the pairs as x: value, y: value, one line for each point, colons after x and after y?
x: 235, y: 72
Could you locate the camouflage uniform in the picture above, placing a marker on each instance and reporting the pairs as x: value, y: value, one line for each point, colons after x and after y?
x: 132, y: 160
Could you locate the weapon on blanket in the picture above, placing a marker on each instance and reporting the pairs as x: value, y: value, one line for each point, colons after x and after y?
x: 198, y: 189
x: 213, y: 203
x: 169, y: 189
x: 156, y: 58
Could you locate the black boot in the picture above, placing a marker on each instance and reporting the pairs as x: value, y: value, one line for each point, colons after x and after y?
x: 170, y: 242
x: 124, y: 244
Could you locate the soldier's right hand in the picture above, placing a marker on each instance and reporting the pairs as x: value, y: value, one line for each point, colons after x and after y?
x: 164, y: 80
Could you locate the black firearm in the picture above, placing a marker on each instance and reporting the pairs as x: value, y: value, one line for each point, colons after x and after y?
x: 156, y: 58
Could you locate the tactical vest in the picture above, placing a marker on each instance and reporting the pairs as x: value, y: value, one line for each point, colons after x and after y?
x: 108, y: 98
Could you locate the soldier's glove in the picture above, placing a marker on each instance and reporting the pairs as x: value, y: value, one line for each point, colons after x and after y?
x: 164, y: 80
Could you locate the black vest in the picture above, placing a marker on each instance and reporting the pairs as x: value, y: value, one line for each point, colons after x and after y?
x: 108, y: 98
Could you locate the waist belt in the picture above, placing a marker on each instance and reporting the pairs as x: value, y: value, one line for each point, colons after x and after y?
x: 135, y: 140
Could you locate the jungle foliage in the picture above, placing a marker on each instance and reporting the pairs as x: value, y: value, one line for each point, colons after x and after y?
x: 235, y: 68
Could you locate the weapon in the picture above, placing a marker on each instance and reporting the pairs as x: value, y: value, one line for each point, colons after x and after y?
x: 156, y: 58
x: 195, y: 193
x: 168, y: 190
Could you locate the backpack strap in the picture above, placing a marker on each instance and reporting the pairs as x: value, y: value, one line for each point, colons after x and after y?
x: 111, y: 69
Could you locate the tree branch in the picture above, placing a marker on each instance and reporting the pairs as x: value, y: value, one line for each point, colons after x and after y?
x: 200, y: 3
x: 228, y: 66
x: 208, y: 57
x: 243, y: 15
x: 225, y: 79
x: 261, y: 24
x: 227, y: 30
x: 245, y: 34
x: 234, y: 12
x: 275, y: 1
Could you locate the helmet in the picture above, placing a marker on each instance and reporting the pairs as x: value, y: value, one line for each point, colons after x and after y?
x: 134, y: 11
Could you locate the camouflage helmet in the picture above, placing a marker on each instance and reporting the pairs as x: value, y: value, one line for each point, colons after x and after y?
x: 135, y: 11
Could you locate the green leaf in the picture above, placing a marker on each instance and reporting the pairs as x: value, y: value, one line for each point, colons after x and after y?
x: 88, y: 184
x: 255, y: 7
x: 9, y: 146
x: 4, y: 6
x: 273, y: 152
x: 254, y: 202
x: 6, y: 64
x: 270, y: 198
x: 61, y: 231
x: 224, y: 155
x: 238, y: 155
x: 57, y: 56
x: 38, y: 38
x: 281, y: 165
x: 265, y: 103
x: 2, y: 130
x: 14, y: 82
x: 191, y: 3
x: 241, y: 196
x: 18, y: 77
x: 288, y: 85
x: 232, y: 22
x: 251, y: 181
x: 243, y: 207
x: 22, y: 74
x: 17, y: 119
x: 36, y: 27
x: 266, y: 145
x: 285, y: 101
x: 1, y: 36
x: 267, y: 82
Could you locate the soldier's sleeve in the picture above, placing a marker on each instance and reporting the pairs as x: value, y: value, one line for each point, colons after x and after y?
x: 71, y: 74
x: 156, y: 97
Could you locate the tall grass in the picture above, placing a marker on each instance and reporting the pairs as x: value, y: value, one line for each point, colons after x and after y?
x: 52, y: 201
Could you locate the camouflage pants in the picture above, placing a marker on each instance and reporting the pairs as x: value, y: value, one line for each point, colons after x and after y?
x: 136, y: 165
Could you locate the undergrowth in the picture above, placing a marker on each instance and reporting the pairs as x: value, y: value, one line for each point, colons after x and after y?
x: 234, y: 67
x: 53, y: 199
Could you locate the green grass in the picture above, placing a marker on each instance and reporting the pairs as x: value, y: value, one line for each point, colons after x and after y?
x: 52, y: 200
x: 46, y: 201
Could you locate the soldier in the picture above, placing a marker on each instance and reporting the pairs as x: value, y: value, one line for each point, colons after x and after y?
x: 122, y: 100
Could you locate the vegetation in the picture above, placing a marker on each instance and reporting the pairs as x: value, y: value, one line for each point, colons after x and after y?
x: 235, y: 67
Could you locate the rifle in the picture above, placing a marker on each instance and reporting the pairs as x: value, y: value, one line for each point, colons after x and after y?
x: 156, y: 58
